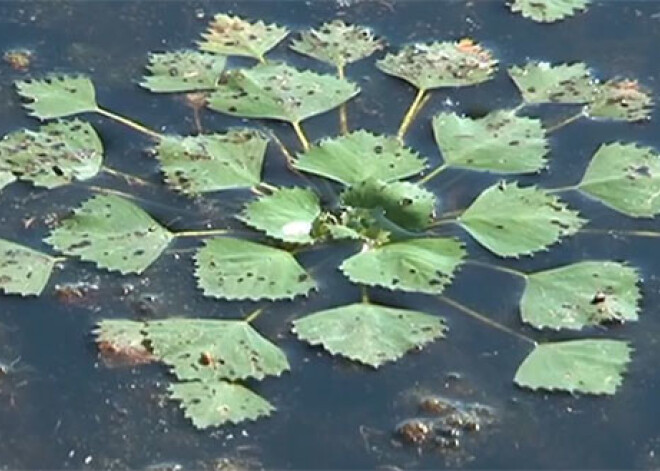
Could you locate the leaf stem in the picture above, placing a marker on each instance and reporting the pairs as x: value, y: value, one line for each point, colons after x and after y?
x: 301, y: 135
x: 343, y: 118
x: 267, y: 186
x: 443, y: 222
x: 561, y: 189
x: 127, y: 122
x: 500, y: 268
x: 126, y: 176
x: 365, y: 294
x: 480, y: 317
x: 254, y: 315
x: 59, y: 259
x: 200, y: 233
x: 652, y: 234
x: 520, y: 106
x: 410, y: 114
x: 433, y: 173
x: 565, y: 122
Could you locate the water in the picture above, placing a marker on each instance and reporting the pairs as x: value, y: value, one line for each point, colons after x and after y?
x: 59, y: 408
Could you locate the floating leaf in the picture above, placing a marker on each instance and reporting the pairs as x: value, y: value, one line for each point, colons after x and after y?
x: 585, y: 366
x: 499, y: 142
x: 541, y: 82
x: 55, y: 155
x: 368, y: 333
x: 441, y: 64
x: 581, y: 294
x: 212, y: 162
x: 288, y: 214
x: 6, y: 178
x: 57, y: 96
x: 418, y: 265
x: 210, y: 404
x: 360, y: 156
x: 113, y: 233
x: 406, y: 204
x: 337, y: 43
x: 183, y: 71
x: 626, y: 178
x: 621, y: 100
x: 237, y: 269
x: 22, y: 270
x: 233, y: 36
x: 512, y: 221
x: 210, y: 349
x: 548, y: 11
x: 279, y: 92
x: 122, y: 342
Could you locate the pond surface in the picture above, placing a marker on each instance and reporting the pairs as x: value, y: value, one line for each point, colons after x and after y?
x: 60, y: 407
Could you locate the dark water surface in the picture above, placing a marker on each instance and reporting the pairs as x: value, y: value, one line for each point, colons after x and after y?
x: 60, y: 408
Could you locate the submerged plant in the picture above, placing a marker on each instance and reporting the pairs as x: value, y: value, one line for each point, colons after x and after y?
x: 386, y: 207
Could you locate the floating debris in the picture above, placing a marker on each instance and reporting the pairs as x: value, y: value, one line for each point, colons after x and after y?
x: 18, y: 59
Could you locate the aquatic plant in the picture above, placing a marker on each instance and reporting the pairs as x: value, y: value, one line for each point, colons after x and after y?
x: 386, y: 207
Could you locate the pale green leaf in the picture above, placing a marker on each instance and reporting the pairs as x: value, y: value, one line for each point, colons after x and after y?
x: 288, y: 214
x: 541, y: 82
x: 238, y: 269
x: 626, y: 178
x: 279, y: 92
x: 360, y: 156
x: 441, y: 64
x: 183, y: 71
x: 6, y: 178
x: 22, y: 270
x: 548, y: 11
x: 621, y: 100
x: 211, y: 349
x: 584, y: 366
x: 417, y: 265
x: 368, y: 333
x: 57, y: 154
x: 233, y: 36
x: 337, y: 43
x: 512, y: 221
x: 581, y: 294
x: 210, y: 404
x: 212, y: 162
x: 499, y: 142
x: 405, y: 204
x: 122, y: 342
x: 113, y: 233
x: 57, y: 96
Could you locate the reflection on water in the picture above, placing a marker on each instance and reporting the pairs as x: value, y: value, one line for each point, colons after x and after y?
x: 61, y: 408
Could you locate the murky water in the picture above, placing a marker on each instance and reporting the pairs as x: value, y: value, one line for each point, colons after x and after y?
x: 59, y: 408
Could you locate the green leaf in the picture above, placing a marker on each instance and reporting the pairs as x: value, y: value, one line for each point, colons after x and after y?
x: 541, y: 82
x: 211, y: 349
x: 233, y: 36
x: 581, y: 294
x: 512, y: 221
x: 279, y: 92
x: 237, y: 269
x: 406, y: 204
x: 417, y: 265
x: 585, y: 366
x: 113, y: 233
x: 183, y: 71
x: 367, y: 333
x: 211, y: 404
x: 57, y: 154
x: 212, y: 162
x: 288, y: 214
x: 360, y: 156
x: 548, y: 11
x: 122, y: 342
x: 499, y: 142
x: 337, y: 43
x: 626, y: 178
x: 57, y: 96
x: 621, y: 100
x: 441, y: 64
x: 6, y: 178
x: 22, y: 270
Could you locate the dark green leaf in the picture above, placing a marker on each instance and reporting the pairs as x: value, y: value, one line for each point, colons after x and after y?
x: 548, y: 11
x: 57, y: 96
x: 541, y: 82
x: 183, y: 71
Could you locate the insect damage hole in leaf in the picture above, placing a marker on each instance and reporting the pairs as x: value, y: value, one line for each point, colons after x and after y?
x: 57, y: 96
x: 511, y: 221
x: 548, y: 11
x: 368, y: 333
x: 542, y: 82
x: 22, y: 270
x: 584, y: 366
x: 416, y: 265
x: 113, y: 233
x: 182, y: 71
x: 212, y: 162
x: 238, y: 269
x: 214, y: 403
x: 581, y: 294
x: 55, y: 155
